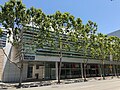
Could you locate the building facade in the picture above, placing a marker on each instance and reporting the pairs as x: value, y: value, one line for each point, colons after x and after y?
x: 43, y: 64
x: 115, y: 33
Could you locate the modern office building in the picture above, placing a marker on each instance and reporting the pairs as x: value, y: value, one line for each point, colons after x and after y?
x: 115, y: 33
x: 43, y: 63
x: 2, y: 44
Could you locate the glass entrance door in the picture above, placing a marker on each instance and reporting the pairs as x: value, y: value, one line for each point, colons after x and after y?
x: 30, y: 71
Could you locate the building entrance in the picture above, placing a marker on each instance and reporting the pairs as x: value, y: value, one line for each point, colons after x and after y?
x: 30, y: 71
x: 36, y: 71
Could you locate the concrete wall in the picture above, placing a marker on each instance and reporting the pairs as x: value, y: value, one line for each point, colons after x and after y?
x: 76, y: 60
x: 1, y: 63
x: 39, y: 71
x: 10, y: 72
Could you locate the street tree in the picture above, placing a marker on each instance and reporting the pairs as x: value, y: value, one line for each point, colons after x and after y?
x: 1, y: 31
x: 61, y: 24
x: 102, y: 50
x: 116, y: 54
x: 85, y: 36
x: 13, y: 18
x: 111, y: 52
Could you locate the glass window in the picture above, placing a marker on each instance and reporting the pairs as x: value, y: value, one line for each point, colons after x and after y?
x: 50, y: 64
x: 30, y: 70
x: 63, y: 72
x: 36, y: 75
x: 68, y: 65
x: 3, y: 39
x: 37, y: 66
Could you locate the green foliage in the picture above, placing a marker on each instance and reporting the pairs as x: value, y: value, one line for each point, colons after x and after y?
x: 1, y: 31
x: 60, y: 24
x: 60, y: 31
x: 13, y: 17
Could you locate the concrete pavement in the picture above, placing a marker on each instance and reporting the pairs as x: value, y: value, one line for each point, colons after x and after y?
x: 112, y: 84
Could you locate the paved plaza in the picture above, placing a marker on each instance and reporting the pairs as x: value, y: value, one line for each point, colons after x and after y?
x: 109, y: 84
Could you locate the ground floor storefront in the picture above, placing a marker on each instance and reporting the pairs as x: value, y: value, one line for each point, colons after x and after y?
x: 50, y: 70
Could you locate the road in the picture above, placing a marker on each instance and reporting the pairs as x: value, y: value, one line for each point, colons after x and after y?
x: 113, y: 84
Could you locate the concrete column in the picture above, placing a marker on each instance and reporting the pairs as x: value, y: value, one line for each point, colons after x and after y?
x: 33, y: 74
x: 56, y: 68
x: 82, y: 70
x: 44, y: 71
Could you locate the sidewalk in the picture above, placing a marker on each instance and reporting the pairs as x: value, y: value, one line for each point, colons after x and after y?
x: 50, y: 82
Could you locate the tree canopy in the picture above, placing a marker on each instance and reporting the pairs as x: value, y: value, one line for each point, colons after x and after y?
x: 14, y: 16
x: 61, y: 32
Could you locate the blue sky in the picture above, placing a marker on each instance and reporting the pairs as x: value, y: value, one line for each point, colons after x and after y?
x: 104, y: 12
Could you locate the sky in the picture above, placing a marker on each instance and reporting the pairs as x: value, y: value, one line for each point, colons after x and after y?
x: 105, y: 13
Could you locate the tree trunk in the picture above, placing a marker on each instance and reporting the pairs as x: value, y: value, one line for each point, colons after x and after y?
x: 21, y: 73
x: 111, y: 71
x: 100, y: 70
x: 117, y: 71
x: 114, y: 70
x: 85, y: 72
x: 103, y: 70
x: 85, y: 65
x: 59, y: 73
x: 82, y: 71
